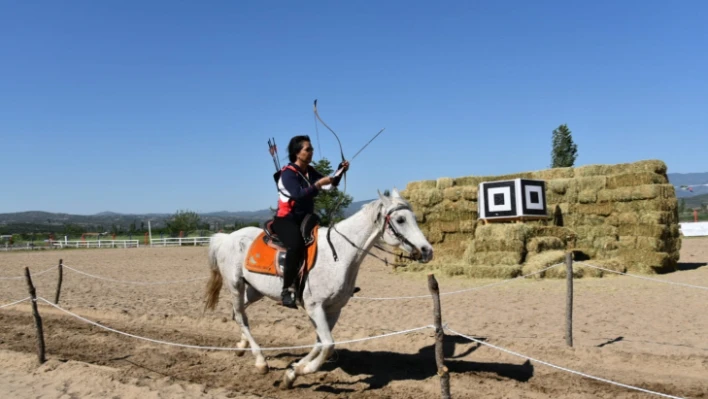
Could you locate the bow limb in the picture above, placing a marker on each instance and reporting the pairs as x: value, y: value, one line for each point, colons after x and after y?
x: 317, y: 115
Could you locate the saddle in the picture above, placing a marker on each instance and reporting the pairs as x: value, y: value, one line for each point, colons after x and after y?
x: 266, y: 255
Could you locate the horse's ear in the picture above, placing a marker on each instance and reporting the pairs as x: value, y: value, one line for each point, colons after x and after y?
x: 384, y: 199
x: 395, y: 193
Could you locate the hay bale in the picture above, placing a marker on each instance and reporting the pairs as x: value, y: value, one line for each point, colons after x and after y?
x: 657, y: 205
x: 493, y: 245
x: 503, y: 231
x: 648, y: 262
x: 634, y: 193
x: 470, y: 193
x: 587, y: 197
x: 553, y: 174
x: 421, y: 185
x: 512, y: 176
x: 542, y: 244
x: 452, y: 193
x: 645, y: 230
x: 597, y: 231
x: 500, y: 272
x: 472, y: 181
x: 541, y: 261
x: 563, y: 233
x: 444, y: 182
x: 432, y: 233
x: 635, y: 179
x: 650, y: 165
x: 594, y: 170
x: 448, y: 210
x: 426, y: 197
x: 591, y: 183
x: 600, y: 209
x: 492, y: 258
x: 558, y: 186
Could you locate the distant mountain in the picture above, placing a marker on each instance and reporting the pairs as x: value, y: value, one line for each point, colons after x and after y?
x: 104, y: 220
x: 695, y: 184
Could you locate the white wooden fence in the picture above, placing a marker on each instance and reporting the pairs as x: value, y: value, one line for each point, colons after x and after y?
x: 179, y: 241
x: 98, y: 244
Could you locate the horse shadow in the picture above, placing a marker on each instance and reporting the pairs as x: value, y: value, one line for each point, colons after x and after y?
x: 684, y: 266
x: 380, y: 368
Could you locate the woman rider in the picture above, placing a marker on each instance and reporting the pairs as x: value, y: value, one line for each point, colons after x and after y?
x: 298, y: 185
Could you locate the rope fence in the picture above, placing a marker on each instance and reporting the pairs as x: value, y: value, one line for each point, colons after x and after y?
x: 642, y: 277
x: 458, y: 291
x: 15, y: 303
x: 561, y: 368
x: 438, y: 326
x: 23, y: 277
x: 134, y: 282
x: 218, y: 348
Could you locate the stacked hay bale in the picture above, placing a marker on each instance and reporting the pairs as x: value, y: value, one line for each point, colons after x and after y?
x: 621, y: 216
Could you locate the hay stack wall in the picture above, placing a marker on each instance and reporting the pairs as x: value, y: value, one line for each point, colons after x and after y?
x: 623, y: 217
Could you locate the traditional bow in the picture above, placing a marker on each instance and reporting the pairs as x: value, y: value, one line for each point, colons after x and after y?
x: 333, y: 210
x: 317, y: 115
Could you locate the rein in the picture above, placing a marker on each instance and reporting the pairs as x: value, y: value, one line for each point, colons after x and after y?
x: 396, y: 233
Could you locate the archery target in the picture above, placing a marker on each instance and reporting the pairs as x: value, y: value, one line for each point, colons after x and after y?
x: 534, y: 201
x: 499, y: 199
x: 512, y: 198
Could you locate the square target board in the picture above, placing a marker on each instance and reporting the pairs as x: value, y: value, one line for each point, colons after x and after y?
x: 510, y: 199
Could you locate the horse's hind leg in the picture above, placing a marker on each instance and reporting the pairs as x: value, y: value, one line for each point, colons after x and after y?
x: 252, y: 296
x: 242, y: 320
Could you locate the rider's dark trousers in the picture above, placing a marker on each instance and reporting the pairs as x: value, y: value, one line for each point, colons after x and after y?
x: 288, y: 230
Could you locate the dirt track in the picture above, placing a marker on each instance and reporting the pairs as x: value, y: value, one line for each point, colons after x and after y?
x: 633, y: 331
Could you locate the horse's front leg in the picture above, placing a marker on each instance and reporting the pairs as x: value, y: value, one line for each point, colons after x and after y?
x: 319, y: 318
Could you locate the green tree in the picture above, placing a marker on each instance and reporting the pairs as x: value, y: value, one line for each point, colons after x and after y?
x: 326, y: 201
x: 183, y: 220
x: 564, y: 150
x: 682, y: 206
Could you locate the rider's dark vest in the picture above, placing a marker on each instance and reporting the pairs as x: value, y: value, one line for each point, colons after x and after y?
x: 296, y: 193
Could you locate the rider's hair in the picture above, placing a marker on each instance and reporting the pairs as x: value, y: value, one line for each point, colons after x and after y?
x: 295, y: 146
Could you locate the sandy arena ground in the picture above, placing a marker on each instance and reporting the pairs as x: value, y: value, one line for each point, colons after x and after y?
x: 628, y: 330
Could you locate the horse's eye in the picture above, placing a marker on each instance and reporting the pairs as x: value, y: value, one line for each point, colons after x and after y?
x: 401, y: 220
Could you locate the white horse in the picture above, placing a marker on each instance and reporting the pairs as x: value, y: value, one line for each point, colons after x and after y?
x: 329, y: 285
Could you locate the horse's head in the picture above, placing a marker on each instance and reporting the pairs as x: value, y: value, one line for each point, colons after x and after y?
x: 400, y: 227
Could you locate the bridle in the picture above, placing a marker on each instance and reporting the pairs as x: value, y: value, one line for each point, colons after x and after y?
x: 386, y: 224
x: 400, y: 237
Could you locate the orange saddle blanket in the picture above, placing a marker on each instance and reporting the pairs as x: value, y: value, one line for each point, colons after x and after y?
x: 263, y: 258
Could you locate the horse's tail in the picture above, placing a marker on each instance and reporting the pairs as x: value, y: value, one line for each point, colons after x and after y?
x: 216, y: 280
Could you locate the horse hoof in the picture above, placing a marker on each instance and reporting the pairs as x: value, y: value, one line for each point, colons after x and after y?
x: 263, y: 369
x: 240, y: 353
x: 287, y: 382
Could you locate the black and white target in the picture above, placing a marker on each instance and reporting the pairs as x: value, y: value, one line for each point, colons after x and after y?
x: 534, y: 195
x: 499, y: 199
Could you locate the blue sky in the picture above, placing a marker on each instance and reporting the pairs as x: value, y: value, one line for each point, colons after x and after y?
x: 157, y: 106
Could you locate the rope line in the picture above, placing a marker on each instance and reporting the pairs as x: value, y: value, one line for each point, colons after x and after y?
x: 34, y: 275
x: 459, y: 291
x: 563, y: 368
x: 230, y: 348
x: 644, y: 278
x: 133, y: 282
x: 15, y: 303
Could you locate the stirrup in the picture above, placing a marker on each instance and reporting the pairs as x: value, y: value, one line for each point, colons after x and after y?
x: 288, y: 298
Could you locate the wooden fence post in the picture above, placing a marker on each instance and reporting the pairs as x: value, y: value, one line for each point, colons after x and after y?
x: 37, y: 318
x: 61, y: 277
x: 439, y: 335
x: 569, y: 299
